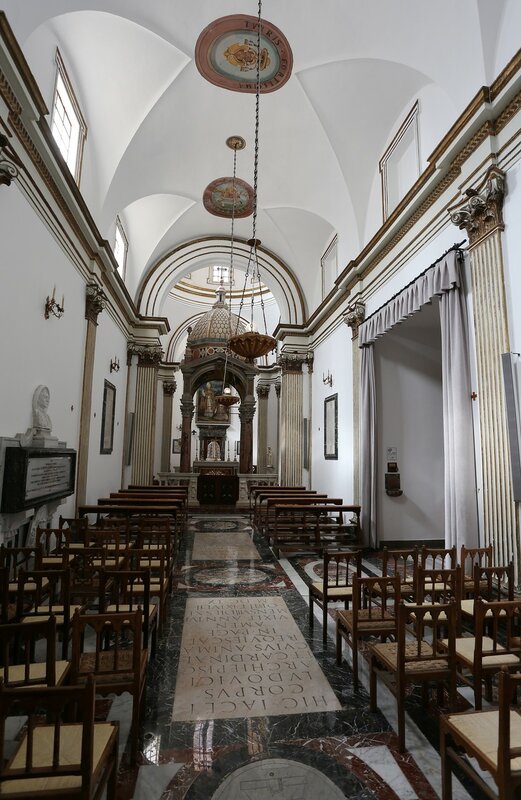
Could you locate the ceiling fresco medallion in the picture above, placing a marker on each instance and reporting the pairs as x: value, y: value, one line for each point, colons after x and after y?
x: 220, y: 195
x: 226, y: 54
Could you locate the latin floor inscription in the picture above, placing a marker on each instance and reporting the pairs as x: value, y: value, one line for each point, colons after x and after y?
x: 246, y: 657
x: 224, y: 547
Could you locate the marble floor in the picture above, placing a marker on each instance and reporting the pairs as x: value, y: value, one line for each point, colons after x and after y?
x: 244, y: 702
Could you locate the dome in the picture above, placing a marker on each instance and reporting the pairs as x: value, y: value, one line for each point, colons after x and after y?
x: 211, y: 332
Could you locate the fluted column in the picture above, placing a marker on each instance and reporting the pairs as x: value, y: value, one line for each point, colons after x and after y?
x: 263, y: 391
x: 291, y: 418
x: 149, y: 357
x: 169, y: 388
x: 94, y: 305
x: 187, y: 412
x: 481, y: 215
x: 246, y: 414
x: 354, y: 317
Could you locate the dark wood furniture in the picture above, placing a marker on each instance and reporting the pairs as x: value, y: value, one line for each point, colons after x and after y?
x: 339, y: 568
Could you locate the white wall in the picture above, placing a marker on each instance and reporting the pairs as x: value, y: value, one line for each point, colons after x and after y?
x: 410, y: 417
x: 334, y: 354
x: 104, y: 471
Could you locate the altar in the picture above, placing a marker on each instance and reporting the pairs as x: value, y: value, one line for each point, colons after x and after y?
x: 217, y: 482
x: 216, y: 467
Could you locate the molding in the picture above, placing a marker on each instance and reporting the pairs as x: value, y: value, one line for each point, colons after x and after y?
x: 169, y: 388
x: 149, y: 355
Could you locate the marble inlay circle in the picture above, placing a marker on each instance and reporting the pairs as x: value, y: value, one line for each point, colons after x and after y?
x: 228, y: 576
x: 226, y: 54
x: 219, y: 196
x: 214, y: 525
x: 278, y: 777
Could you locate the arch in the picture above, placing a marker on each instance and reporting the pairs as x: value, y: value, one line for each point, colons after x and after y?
x: 277, y: 276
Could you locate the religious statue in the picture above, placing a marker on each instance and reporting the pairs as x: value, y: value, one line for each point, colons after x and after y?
x: 214, y: 451
x: 41, y: 420
x: 269, y: 458
x: 207, y: 401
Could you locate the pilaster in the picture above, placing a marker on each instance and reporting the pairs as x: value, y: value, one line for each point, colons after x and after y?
x: 291, y: 417
x: 354, y: 317
x: 149, y: 357
x: 94, y: 304
x: 263, y: 391
x: 481, y: 215
x: 169, y: 388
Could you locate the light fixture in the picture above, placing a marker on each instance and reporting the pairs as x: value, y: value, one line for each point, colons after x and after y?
x: 226, y: 398
x: 53, y: 307
x: 327, y: 379
x: 114, y: 364
x: 252, y: 344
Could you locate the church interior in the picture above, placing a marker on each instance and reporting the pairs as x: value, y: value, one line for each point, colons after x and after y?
x: 260, y: 441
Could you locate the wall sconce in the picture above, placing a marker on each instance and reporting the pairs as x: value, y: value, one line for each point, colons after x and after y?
x: 327, y: 379
x: 114, y: 364
x: 53, y: 307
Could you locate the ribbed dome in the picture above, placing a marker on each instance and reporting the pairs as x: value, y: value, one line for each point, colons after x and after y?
x: 212, y: 331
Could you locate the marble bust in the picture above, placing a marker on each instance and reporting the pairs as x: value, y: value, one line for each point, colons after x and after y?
x: 41, y: 419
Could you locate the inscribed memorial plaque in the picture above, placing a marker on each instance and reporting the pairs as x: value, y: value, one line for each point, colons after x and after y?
x: 246, y: 657
x: 223, y: 547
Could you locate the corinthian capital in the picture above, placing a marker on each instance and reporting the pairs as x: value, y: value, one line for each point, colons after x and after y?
x: 293, y: 362
x: 94, y: 302
x: 169, y: 387
x: 263, y: 389
x: 354, y: 316
x: 482, y: 212
x: 9, y: 162
x: 149, y: 355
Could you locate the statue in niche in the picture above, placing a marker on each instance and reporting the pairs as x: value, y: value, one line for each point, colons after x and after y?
x: 214, y: 451
x: 269, y: 458
x: 210, y: 404
x: 42, y: 424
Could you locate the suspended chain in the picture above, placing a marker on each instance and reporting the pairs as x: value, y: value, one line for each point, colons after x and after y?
x: 253, y: 256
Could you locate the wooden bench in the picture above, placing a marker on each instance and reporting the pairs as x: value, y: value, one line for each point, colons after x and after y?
x: 259, y: 514
x: 314, y: 526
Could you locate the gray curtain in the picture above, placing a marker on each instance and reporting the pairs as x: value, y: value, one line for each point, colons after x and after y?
x: 369, y: 445
x: 442, y: 279
x: 461, y: 521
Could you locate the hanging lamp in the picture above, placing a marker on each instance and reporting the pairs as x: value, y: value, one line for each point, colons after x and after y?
x: 226, y: 398
x: 252, y: 344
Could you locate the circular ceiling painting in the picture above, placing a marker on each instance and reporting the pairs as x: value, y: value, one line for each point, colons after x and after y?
x: 220, y: 196
x: 226, y: 54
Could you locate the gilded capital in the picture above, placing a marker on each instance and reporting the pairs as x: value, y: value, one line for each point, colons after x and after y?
x: 482, y: 212
x: 169, y: 387
x: 354, y: 317
x: 149, y: 355
x: 263, y: 389
x: 9, y: 164
x: 95, y: 302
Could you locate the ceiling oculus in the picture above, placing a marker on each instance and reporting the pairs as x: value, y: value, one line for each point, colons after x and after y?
x: 226, y: 54
x: 221, y: 194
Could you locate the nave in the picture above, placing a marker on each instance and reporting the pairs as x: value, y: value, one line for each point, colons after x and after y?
x: 244, y: 702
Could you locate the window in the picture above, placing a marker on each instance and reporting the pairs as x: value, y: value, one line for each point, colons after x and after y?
x: 218, y: 273
x: 400, y: 164
x: 67, y: 124
x: 329, y: 266
x: 120, y: 247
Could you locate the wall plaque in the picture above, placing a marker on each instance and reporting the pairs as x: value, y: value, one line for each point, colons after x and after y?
x: 33, y: 476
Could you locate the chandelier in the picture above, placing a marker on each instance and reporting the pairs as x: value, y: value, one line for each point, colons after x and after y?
x: 252, y: 344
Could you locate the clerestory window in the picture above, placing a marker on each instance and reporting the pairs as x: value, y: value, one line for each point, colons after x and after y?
x: 67, y: 123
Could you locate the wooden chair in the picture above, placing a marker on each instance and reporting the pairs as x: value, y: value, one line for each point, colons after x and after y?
x: 412, y: 660
x: 86, y: 567
x: 54, y: 544
x: 157, y: 540
x: 129, y: 590
x: 481, y: 656
x: 118, y: 661
x: 438, y: 557
x: 77, y: 526
x: 52, y: 595
x: 54, y: 758
x: 339, y: 567
x: 470, y: 557
x: 439, y: 586
x: 19, y: 665
x: 154, y: 561
x: 372, y: 615
x: 7, y: 600
x: 491, y: 737
x: 12, y: 558
x: 402, y: 562
x: 491, y: 584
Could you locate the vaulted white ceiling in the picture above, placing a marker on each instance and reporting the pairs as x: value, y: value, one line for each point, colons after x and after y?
x: 157, y: 128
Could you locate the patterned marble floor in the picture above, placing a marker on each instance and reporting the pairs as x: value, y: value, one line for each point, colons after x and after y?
x: 320, y: 753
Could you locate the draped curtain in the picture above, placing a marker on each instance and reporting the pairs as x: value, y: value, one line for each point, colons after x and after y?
x: 443, y: 279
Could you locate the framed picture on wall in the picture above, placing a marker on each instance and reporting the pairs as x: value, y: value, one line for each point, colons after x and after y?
x: 331, y: 427
x: 176, y: 446
x: 107, y: 418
